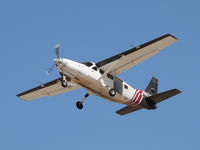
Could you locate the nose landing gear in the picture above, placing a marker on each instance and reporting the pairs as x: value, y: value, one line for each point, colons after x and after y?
x: 79, y: 104
x: 64, y: 83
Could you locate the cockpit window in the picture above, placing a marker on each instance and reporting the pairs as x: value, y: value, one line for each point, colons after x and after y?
x: 94, y: 68
x: 89, y: 64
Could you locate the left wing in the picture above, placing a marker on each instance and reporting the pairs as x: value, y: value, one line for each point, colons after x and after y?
x: 48, y: 89
x: 123, y: 61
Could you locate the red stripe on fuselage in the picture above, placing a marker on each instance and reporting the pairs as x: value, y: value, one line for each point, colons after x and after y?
x: 133, y: 97
x: 137, y: 98
x: 140, y: 97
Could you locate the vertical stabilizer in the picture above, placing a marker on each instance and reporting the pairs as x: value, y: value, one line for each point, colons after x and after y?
x: 152, y: 87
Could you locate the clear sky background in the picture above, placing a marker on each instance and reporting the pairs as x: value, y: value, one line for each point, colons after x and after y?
x: 92, y: 30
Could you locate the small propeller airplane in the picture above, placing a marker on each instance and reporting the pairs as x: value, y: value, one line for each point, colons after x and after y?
x: 101, y: 79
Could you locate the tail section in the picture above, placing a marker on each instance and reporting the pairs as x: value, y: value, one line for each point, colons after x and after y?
x: 149, y: 102
x: 152, y: 87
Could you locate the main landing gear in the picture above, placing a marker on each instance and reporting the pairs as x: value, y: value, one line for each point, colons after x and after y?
x: 79, y: 104
x: 112, y: 92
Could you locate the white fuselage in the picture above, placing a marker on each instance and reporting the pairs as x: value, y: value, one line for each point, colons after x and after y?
x: 96, y: 83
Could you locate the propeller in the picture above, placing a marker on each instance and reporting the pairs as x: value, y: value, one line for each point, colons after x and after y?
x: 57, y: 51
x: 50, y: 70
x: 57, y: 57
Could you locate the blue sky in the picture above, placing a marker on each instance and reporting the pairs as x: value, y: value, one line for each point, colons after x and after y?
x: 92, y: 31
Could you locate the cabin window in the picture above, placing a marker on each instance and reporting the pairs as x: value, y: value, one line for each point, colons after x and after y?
x: 94, y: 68
x: 89, y: 64
x: 110, y: 76
x: 125, y: 86
x: 101, y: 71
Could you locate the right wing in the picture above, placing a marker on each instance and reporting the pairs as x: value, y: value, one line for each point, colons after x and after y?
x: 125, y: 60
x: 128, y: 109
x: 48, y: 89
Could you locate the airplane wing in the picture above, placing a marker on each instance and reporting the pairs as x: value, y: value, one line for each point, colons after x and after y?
x: 128, y: 109
x: 48, y: 89
x: 134, y: 56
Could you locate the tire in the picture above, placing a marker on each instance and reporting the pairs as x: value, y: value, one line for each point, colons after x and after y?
x: 112, y: 92
x: 64, y: 83
x: 79, y: 105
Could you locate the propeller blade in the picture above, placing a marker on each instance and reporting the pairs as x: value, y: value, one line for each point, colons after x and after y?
x: 50, y: 70
x: 57, y: 51
x: 57, y: 57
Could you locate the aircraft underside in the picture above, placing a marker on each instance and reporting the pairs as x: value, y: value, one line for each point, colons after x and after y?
x: 101, y: 79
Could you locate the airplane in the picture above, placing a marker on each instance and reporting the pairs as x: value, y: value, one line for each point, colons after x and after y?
x: 101, y: 79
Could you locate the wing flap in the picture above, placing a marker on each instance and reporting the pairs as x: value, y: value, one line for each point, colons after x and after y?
x: 48, y: 89
x: 128, y: 109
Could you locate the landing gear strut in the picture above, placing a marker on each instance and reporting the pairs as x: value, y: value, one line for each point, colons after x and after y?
x: 79, y: 104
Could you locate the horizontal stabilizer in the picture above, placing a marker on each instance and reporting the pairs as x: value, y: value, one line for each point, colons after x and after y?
x: 128, y: 109
x: 164, y: 95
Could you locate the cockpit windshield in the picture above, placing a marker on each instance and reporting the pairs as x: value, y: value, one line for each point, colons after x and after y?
x: 89, y: 64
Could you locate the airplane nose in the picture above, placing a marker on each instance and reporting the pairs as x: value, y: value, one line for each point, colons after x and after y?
x: 57, y: 61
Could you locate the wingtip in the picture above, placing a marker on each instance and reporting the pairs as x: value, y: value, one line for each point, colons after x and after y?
x: 172, y: 36
x: 178, y: 91
x: 119, y: 113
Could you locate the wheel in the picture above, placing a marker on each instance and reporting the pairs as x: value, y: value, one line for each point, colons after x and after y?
x: 79, y: 105
x: 112, y: 92
x: 64, y: 83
